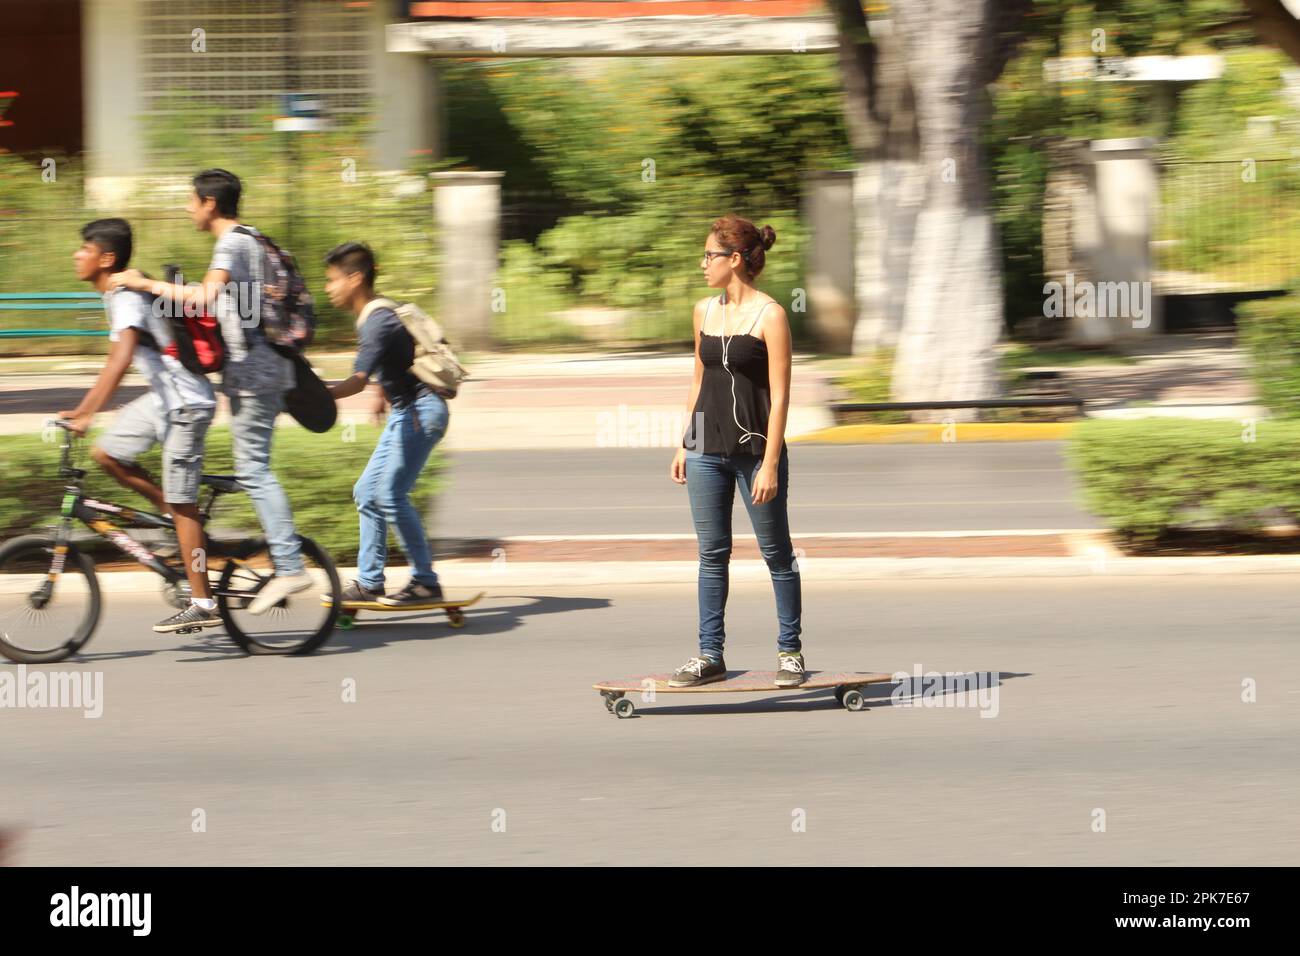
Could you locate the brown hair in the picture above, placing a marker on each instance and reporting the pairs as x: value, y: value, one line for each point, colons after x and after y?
x: 741, y: 235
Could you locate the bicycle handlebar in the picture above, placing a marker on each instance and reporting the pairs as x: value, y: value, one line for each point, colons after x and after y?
x: 66, y: 469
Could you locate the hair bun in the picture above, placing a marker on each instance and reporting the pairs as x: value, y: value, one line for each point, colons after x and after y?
x: 767, y: 236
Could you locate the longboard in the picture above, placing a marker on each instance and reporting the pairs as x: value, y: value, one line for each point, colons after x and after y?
x: 847, y: 685
x: 455, y: 615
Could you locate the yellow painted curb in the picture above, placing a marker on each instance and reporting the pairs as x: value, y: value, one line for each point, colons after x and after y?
x: 938, y: 432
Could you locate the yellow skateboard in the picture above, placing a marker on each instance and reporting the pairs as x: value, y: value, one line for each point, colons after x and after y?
x: 455, y: 609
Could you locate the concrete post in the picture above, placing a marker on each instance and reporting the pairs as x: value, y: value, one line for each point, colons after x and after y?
x: 828, y: 198
x: 467, y: 211
x: 113, y: 100
x: 1101, y: 257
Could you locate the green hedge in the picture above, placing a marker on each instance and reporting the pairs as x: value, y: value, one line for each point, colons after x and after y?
x: 1270, y: 331
x: 1153, y: 475
x: 317, y: 472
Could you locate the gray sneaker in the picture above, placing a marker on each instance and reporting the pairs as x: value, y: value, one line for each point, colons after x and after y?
x: 414, y: 594
x: 698, y: 670
x: 790, y: 670
x: 192, y: 618
x: 355, y: 593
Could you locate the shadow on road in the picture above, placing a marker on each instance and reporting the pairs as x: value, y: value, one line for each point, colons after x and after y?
x: 376, y: 629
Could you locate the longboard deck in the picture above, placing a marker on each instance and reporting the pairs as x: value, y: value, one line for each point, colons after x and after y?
x: 745, y: 681
x: 847, y: 684
x: 348, y: 610
x: 376, y: 606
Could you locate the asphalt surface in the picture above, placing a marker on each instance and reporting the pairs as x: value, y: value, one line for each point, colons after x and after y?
x: 1121, y: 696
x: 960, y: 486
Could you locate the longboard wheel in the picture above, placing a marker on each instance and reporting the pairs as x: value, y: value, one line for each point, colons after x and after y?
x: 853, y: 700
x: 624, y: 708
x: 346, y: 621
x: 455, y: 617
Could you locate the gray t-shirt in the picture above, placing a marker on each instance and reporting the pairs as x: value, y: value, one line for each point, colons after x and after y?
x: 252, y: 366
x: 171, y: 381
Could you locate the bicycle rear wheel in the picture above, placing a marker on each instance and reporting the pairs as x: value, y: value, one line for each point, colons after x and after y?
x: 299, y: 623
x: 45, y: 617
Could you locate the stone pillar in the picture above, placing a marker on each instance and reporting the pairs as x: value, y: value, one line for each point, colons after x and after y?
x: 467, y: 212
x: 113, y: 100
x: 408, y: 102
x: 1127, y: 186
x: 829, y: 267
x: 1099, y: 218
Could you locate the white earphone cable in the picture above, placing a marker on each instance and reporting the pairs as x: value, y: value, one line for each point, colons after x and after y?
x: 745, y: 434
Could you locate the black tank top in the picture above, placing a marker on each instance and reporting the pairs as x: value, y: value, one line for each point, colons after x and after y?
x: 723, y: 423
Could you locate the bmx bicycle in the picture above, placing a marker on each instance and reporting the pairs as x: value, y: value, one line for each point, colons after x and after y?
x: 51, y: 601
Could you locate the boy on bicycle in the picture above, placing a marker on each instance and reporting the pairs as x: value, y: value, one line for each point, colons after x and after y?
x: 417, y: 422
x: 255, y: 377
x: 175, y: 413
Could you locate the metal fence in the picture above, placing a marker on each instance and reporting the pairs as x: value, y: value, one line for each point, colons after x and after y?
x: 1228, y: 227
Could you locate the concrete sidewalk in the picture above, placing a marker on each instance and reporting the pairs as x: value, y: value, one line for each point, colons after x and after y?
x: 568, y: 400
x: 638, y: 399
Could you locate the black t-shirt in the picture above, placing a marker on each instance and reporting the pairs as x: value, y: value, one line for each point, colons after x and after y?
x: 385, y: 351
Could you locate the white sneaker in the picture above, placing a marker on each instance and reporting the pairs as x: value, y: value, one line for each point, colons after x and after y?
x: 277, y: 589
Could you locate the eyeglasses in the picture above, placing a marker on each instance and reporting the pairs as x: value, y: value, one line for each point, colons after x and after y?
x: 707, y: 258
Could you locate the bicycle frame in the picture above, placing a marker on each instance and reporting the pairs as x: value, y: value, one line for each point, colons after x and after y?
x: 101, y: 517
x: 107, y: 520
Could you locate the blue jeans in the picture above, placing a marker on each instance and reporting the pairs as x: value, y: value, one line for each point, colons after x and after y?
x: 711, y: 482
x: 382, y: 493
x: 252, y: 426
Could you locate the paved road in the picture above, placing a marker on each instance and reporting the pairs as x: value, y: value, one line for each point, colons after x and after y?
x: 1120, y: 695
x: 969, y: 486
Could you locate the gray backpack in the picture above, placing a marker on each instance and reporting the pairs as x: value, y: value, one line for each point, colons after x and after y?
x: 435, y: 363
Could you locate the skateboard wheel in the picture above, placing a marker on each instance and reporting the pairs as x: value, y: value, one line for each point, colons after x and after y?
x: 624, y: 708
x: 455, y: 617
x: 346, y: 621
x: 853, y: 700
x: 839, y: 695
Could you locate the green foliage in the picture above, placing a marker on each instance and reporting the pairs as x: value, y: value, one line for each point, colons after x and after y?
x: 1151, y: 475
x: 644, y: 154
x: 870, y: 381
x: 298, y: 189
x: 1212, y: 114
x: 1028, y: 110
x: 317, y: 472
x: 1270, y: 331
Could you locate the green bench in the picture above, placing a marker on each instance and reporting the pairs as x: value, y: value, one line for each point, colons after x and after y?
x: 52, y: 302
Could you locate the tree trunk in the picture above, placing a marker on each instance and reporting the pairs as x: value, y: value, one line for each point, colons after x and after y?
x: 882, y: 134
x: 953, y: 317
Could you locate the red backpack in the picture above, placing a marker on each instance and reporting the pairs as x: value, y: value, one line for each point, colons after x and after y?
x: 196, y: 336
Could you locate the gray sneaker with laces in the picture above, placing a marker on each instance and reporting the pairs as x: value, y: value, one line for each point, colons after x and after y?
x: 790, y: 670
x: 190, y: 619
x: 698, y: 670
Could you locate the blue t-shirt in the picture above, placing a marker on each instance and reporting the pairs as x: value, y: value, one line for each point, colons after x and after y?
x: 385, y: 351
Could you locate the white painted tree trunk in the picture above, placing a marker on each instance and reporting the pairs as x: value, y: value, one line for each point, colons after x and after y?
x: 953, y: 317
x: 887, y: 196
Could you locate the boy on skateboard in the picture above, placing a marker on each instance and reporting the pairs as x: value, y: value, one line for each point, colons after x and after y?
x: 386, y: 350
x: 174, y: 413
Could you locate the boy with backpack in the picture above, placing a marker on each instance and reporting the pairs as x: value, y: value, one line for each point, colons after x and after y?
x: 255, y: 376
x: 404, y: 349
x: 174, y: 413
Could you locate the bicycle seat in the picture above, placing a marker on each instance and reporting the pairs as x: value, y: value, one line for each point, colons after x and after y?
x: 220, y: 482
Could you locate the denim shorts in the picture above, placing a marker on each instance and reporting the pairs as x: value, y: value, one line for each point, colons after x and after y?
x: 181, y: 432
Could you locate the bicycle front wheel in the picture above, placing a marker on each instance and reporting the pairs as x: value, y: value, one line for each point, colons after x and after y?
x: 299, y: 623
x: 47, y: 613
